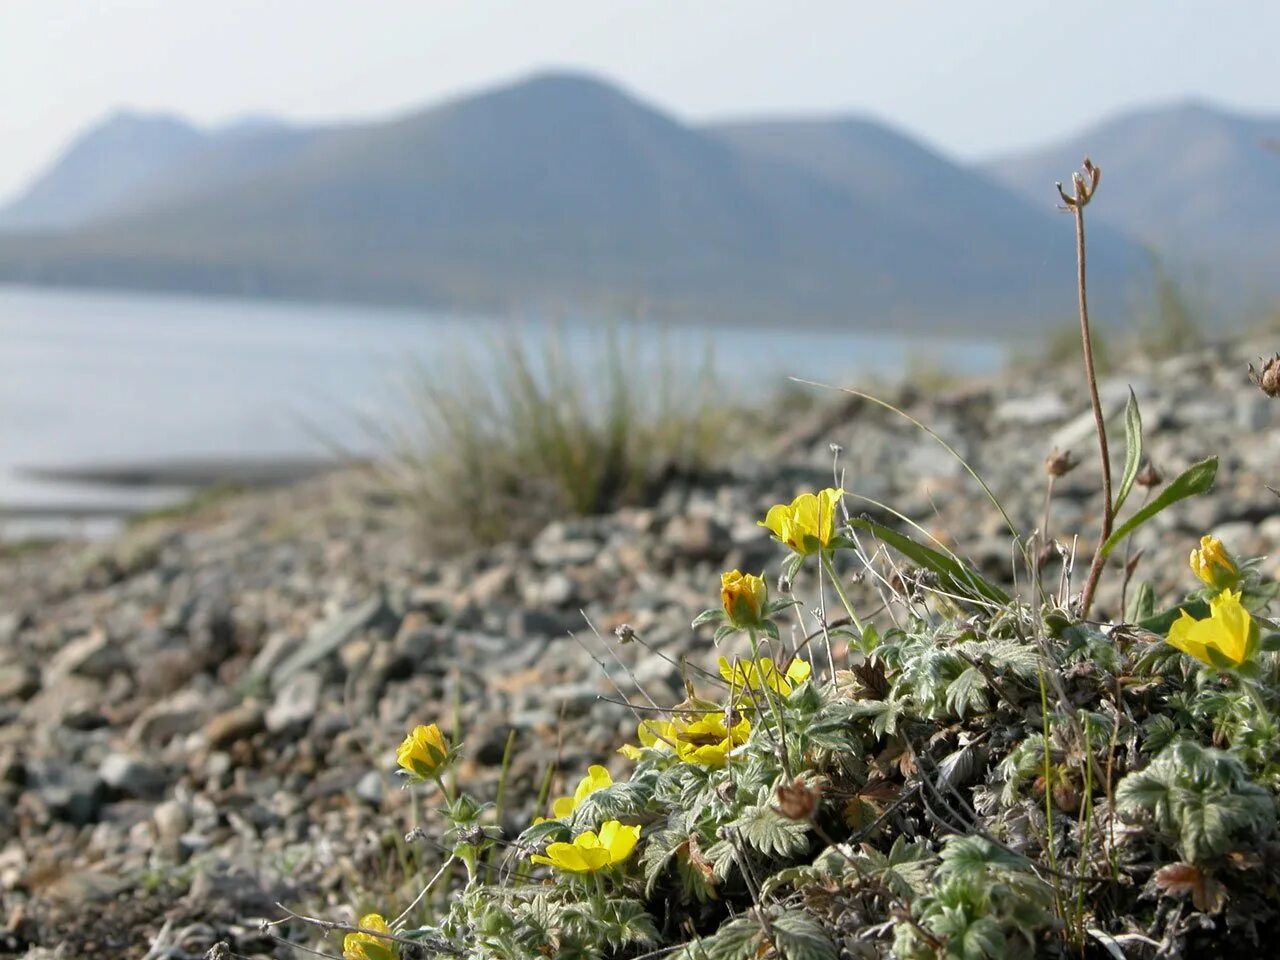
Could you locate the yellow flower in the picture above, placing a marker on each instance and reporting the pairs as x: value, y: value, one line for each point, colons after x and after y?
x: 424, y: 752
x: 1213, y: 565
x: 745, y: 675
x: 707, y: 740
x: 592, y: 851
x: 744, y: 596
x: 807, y: 523
x: 1228, y: 631
x: 703, y: 739
x: 651, y: 733
x: 365, y: 946
x: 597, y: 778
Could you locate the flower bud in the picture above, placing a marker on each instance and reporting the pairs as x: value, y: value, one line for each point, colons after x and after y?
x: 1060, y: 463
x: 744, y: 596
x: 1148, y: 477
x: 797, y: 800
x: 424, y: 752
x: 1213, y: 565
x: 1267, y: 378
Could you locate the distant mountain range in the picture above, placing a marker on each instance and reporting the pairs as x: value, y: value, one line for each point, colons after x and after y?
x: 562, y: 192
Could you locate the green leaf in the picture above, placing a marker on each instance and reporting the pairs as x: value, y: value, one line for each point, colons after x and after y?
x: 1196, y: 479
x: 966, y: 692
x: 1132, y: 449
x: 1161, y: 622
x: 764, y: 829
x: 791, y: 566
x: 723, y: 632
x: 739, y: 939
x: 1143, y: 605
x: 955, y: 577
x: 799, y: 937
x: 708, y: 616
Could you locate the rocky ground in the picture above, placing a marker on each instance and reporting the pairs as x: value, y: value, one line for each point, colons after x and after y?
x: 198, y: 719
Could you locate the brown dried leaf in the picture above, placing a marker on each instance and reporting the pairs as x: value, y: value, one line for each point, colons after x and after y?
x: 1183, y: 879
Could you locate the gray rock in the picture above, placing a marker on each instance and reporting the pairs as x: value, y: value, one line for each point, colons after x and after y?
x: 174, y: 716
x: 131, y: 777
x: 93, y: 655
x: 70, y: 791
x: 325, y: 638
x: 534, y: 622
x: 231, y: 726
x: 171, y: 821
x: 370, y: 788
x: 1038, y: 410
x: 18, y: 681
x: 296, y: 703
x: 556, y: 591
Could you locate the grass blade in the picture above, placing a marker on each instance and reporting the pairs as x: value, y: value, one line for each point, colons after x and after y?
x: 955, y: 576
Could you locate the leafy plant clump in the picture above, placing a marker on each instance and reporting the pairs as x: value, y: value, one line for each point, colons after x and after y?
x: 514, y: 436
x: 971, y: 773
x: 983, y: 778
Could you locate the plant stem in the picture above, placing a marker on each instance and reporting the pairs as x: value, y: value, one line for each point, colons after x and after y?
x: 844, y: 597
x: 1048, y: 795
x: 1077, y: 203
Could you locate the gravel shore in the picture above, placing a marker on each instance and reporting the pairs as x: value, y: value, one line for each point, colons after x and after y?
x: 198, y: 718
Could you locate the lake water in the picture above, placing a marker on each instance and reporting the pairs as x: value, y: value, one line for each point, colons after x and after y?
x: 96, y: 377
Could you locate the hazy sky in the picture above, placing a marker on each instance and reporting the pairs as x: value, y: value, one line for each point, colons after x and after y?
x: 972, y: 76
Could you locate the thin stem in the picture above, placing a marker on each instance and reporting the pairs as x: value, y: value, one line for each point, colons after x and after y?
x: 1077, y: 204
x: 767, y: 692
x: 1048, y: 792
x: 844, y: 597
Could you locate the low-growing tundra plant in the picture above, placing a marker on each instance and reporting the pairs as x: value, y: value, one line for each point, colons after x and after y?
x: 973, y: 772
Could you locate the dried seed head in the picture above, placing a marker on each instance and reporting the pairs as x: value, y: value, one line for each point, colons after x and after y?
x: 624, y: 632
x: 1060, y: 463
x: 798, y: 800
x: 1267, y: 377
x: 1148, y: 476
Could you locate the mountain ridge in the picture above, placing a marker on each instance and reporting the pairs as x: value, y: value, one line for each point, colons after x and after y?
x: 562, y: 191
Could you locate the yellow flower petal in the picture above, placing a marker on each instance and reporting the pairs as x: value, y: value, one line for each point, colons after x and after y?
x: 1227, y: 631
x: 799, y: 670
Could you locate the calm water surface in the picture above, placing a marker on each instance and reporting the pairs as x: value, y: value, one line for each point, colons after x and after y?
x: 95, y: 377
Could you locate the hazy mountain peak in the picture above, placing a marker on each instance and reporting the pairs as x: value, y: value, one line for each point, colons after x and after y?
x: 100, y: 168
x: 1199, y: 184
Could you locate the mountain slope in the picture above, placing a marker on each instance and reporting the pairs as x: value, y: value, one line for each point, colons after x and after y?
x: 99, y: 169
x: 1199, y: 184
x: 954, y: 206
x: 564, y: 192
x: 132, y: 161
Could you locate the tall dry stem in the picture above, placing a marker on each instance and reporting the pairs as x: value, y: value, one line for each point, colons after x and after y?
x: 1084, y: 185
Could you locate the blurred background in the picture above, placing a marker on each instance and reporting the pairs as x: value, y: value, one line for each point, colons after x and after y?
x: 240, y: 242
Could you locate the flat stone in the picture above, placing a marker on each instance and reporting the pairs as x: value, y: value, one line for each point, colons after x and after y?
x: 171, y: 821
x: 1035, y: 411
x: 174, y: 716
x: 72, y: 792
x: 296, y: 703
x: 325, y: 638
x: 93, y: 656
x: 370, y: 788
x: 230, y: 726
x: 18, y: 681
x: 131, y: 777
